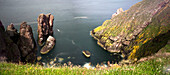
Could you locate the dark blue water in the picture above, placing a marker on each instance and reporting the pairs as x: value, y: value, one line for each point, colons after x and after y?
x: 74, y: 19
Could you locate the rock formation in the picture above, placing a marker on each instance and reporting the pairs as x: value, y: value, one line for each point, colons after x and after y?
x: 12, y: 32
x: 50, y: 43
x: 15, y: 47
x: 120, y: 10
x: 45, y: 27
x: 8, y: 49
x: 140, y: 31
x: 26, y: 43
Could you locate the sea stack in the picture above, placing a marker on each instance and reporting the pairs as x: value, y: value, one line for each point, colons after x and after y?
x: 16, y: 47
x: 45, y: 27
x: 50, y: 43
x: 26, y: 43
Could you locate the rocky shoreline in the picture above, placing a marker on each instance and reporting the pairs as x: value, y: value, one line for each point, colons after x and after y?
x: 135, y: 33
x: 17, y: 47
x: 21, y: 47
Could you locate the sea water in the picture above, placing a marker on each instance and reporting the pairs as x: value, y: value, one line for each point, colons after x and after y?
x: 73, y: 21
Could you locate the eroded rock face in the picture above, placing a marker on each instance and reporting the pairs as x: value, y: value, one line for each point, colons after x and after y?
x: 27, y: 44
x: 12, y: 32
x: 45, y: 27
x: 140, y: 31
x: 50, y: 43
x: 8, y: 49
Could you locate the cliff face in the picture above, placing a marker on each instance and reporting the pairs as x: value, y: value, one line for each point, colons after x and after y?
x: 45, y: 27
x: 8, y: 49
x: 26, y: 43
x: 140, y: 31
x: 14, y: 46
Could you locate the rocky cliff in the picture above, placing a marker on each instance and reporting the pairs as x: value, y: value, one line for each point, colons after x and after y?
x: 45, y: 27
x: 8, y: 49
x: 140, y: 31
x: 14, y: 46
x: 26, y: 43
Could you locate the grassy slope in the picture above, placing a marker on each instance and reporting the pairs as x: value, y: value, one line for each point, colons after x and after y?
x: 148, y: 67
x: 157, y: 65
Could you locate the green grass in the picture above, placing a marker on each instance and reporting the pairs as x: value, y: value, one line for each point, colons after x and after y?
x: 151, y: 67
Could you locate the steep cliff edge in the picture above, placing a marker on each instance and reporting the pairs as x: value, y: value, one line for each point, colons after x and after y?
x: 15, y: 47
x: 140, y: 31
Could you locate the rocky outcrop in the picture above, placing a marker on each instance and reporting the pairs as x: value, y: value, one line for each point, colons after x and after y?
x: 26, y: 43
x: 12, y: 32
x: 8, y: 49
x: 15, y: 47
x: 140, y: 31
x: 50, y: 43
x: 120, y: 10
x: 45, y: 27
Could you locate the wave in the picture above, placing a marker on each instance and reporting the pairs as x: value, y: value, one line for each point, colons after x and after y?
x: 60, y: 54
x: 73, y: 42
x: 81, y: 17
x: 58, y: 30
x: 88, y: 66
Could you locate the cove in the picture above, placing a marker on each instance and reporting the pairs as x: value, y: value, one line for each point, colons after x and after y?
x: 73, y: 21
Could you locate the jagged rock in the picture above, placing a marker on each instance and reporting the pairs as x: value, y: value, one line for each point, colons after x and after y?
x: 45, y: 27
x: 26, y: 43
x: 50, y: 43
x: 8, y: 49
x: 145, y: 27
x: 120, y: 10
x: 12, y: 32
x: 1, y: 26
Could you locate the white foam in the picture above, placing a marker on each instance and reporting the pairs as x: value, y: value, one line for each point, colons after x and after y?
x: 81, y: 17
x: 58, y: 30
x: 87, y: 65
x: 73, y: 42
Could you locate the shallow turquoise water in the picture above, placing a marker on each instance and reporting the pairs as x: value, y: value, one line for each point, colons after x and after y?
x: 73, y: 21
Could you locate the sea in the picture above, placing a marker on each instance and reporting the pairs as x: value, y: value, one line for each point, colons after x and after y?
x: 73, y: 21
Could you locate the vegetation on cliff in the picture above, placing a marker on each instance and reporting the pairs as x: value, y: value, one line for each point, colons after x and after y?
x: 140, y: 31
x: 155, y: 66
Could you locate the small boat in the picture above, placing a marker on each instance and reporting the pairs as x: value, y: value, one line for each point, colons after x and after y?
x: 86, y: 53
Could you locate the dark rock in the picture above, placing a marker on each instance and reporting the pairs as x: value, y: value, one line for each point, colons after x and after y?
x: 8, y: 49
x: 1, y: 26
x: 12, y: 32
x: 45, y: 27
x: 26, y: 44
x: 50, y: 43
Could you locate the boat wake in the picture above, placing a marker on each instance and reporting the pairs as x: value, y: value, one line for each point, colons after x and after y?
x: 73, y: 42
x: 58, y: 30
x: 81, y: 17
